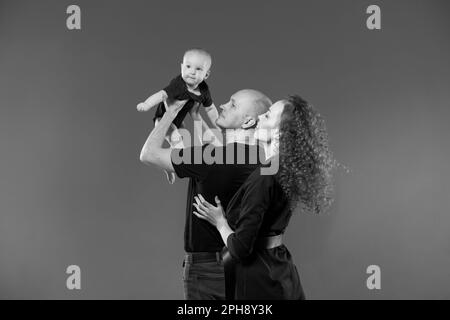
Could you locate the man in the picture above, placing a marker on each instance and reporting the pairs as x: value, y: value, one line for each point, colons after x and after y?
x: 203, y: 266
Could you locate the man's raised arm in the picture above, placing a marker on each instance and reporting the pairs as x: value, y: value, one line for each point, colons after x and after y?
x: 152, y: 152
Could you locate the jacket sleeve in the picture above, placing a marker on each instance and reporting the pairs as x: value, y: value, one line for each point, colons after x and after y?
x: 254, y: 205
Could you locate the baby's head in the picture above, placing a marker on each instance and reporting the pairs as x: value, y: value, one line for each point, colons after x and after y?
x: 195, y: 67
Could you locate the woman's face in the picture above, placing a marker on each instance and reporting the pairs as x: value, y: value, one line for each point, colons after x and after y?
x: 269, y: 122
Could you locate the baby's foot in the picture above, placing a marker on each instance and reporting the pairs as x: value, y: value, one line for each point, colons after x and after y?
x: 170, y: 176
x: 142, y: 107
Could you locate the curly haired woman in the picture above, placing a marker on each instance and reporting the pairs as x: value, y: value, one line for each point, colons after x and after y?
x: 294, y: 134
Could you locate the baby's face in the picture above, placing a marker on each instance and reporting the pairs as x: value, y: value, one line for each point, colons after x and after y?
x: 195, y: 68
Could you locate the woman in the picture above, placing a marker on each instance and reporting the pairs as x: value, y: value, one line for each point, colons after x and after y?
x: 293, y: 134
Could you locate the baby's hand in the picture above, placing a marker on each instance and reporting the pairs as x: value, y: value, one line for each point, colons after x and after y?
x: 141, y: 107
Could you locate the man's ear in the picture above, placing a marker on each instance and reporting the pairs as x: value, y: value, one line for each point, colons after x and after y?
x: 249, y: 122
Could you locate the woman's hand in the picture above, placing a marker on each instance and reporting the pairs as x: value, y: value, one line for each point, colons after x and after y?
x: 212, y: 214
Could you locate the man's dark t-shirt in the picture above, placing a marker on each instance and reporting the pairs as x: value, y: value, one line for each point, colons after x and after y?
x: 177, y: 90
x: 210, y: 180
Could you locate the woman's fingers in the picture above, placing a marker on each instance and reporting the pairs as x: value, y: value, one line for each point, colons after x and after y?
x: 203, y: 201
x: 197, y: 200
x: 201, y: 209
x: 217, y: 201
x: 199, y: 215
x: 201, y: 204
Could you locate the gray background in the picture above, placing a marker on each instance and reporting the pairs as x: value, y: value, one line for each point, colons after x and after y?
x: 72, y: 190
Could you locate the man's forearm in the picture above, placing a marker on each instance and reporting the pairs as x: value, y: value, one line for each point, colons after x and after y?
x: 156, y: 138
x: 213, y: 114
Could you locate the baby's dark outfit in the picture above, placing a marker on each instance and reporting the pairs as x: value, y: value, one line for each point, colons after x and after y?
x: 177, y: 90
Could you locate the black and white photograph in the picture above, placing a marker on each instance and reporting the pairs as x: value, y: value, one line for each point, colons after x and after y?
x: 225, y: 151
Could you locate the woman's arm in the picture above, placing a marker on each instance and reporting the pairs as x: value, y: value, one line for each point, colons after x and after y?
x: 224, y: 230
x: 214, y: 215
x: 253, y: 206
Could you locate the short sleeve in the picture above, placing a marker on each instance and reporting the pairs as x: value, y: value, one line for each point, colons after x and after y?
x: 175, y: 88
x: 188, y: 162
x: 254, y: 204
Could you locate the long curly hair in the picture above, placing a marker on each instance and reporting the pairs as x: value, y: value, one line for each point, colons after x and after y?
x: 305, y: 160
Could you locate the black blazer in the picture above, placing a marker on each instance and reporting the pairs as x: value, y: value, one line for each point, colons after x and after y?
x: 260, y: 209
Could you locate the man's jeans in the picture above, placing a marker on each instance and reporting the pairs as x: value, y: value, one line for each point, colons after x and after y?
x: 203, y: 279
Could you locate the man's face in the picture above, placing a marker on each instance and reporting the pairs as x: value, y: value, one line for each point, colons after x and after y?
x: 233, y: 113
x: 194, y: 69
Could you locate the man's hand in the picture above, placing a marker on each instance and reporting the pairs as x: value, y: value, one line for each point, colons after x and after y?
x: 152, y: 152
x: 195, y: 112
x: 174, y: 106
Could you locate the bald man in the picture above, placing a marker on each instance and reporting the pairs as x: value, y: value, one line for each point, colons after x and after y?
x: 203, y: 266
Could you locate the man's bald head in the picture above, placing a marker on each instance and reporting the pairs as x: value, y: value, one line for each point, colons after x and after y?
x: 243, y: 109
x: 258, y: 102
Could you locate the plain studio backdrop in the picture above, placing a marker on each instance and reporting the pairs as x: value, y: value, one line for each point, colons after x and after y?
x: 72, y: 189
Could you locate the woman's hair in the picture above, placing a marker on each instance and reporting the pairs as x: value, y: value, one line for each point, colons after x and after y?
x: 305, y: 162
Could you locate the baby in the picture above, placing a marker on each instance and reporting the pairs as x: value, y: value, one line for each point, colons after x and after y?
x: 190, y: 86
